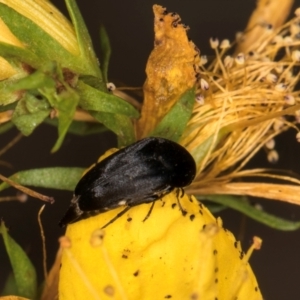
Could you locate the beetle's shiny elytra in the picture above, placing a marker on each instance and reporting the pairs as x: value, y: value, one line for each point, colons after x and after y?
x: 140, y: 173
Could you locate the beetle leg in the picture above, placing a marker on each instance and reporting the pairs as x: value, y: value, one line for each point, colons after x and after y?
x: 184, y: 212
x: 149, y: 212
x: 121, y: 213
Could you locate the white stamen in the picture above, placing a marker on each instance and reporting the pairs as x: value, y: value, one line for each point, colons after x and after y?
x: 296, y: 55
x: 204, y: 84
x: 225, y: 44
x: 240, y: 59
x: 200, y: 99
x: 228, y: 61
x: 280, y: 87
x: 270, y: 144
x: 214, y: 43
x: 273, y: 156
x: 289, y: 99
x: 203, y: 60
x: 297, y: 12
x: 110, y: 86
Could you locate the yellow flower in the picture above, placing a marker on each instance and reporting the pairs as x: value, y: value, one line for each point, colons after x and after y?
x: 167, y: 256
x: 6, y: 36
x: 49, y: 18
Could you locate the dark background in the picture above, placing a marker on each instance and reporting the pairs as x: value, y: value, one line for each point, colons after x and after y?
x: 130, y: 28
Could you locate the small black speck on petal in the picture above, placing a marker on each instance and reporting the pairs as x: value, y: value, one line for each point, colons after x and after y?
x: 215, y: 252
x: 192, y: 217
x: 173, y: 205
x: 136, y: 273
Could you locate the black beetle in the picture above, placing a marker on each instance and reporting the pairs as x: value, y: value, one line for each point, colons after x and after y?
x: 140, y: 173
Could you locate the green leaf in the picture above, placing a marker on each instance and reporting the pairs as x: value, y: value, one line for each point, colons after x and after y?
x: 15, y: 54
x: 93, y: 99
x: 23, y: 269
x: 240, y: 204
x: 120, y: 125
x: 37, y: 80
x: 87, y: 53
x: 80, y: 128
x: 215, y: 208
x: 66, y: 104
x: 60, y: 178
x: 39, y: 42
x: 29, y: 113
x: 7, y: 98
x: 10, y: 286
x: 105, y: 52
x: 174, y: 123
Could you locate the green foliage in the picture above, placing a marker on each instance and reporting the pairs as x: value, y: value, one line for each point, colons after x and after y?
x: 24, y: 271
x: 174, y: 123
x: 242, y: 205
x: 57, y: 82
x: 59, y: 178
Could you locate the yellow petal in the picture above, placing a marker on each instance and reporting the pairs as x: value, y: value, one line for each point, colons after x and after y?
x: 168, y: 255
x: 6, y: 70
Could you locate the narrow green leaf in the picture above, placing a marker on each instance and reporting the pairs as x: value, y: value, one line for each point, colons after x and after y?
x: 66, y: 104
x: 174, y: 123
x: 16, y: 54
x: 39, y: 42
x: 215, y: 208
x: 36, y: 80
x: 23, y: 269
x: 10, y: 286
x: 7, y: 98
x: 59, y: 178
x: 120, y: 125
x: 87, y: 53
x: 30, y: 113
x: 239, y: 204
x: 93, y: 99
x: 105, y: 52
x: 80, y: 128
